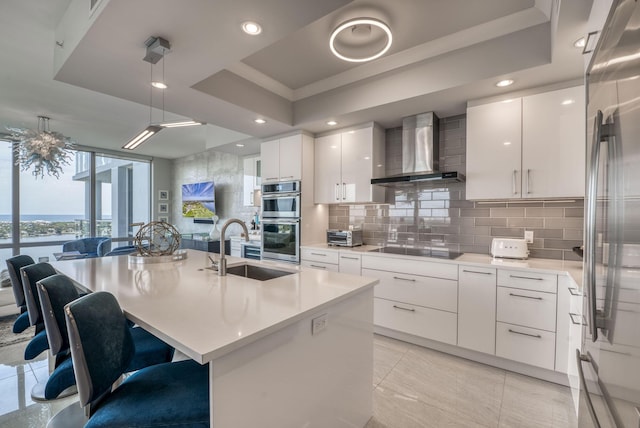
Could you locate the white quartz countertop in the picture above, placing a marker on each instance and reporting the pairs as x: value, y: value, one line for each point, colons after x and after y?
x: 571, y: 268
x: 205, y: 315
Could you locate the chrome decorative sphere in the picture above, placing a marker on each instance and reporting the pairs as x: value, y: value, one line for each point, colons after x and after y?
x: 157, y: 238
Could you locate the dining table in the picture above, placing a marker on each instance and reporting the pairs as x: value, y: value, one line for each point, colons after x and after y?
x: 291, y: 351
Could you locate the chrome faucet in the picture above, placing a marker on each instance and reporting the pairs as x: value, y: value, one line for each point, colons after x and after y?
x: 222, y: 263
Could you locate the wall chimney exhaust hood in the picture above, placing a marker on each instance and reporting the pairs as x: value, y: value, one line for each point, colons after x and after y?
x: 420, y: 154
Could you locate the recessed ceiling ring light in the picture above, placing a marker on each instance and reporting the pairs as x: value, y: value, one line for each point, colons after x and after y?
x: 505, y: 82
x: 353, y: 23
x: 252, y: 28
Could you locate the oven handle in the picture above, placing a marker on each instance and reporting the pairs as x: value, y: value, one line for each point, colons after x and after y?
x: 276, y: 221
x: 278, y: 195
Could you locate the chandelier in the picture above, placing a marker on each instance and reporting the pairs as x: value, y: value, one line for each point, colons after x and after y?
x: 41, y: 149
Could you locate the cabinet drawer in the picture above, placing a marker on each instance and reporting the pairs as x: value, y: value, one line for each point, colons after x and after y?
x: 527, y: 345
x: 319, y: 265
x: 424, y: 322
x: 527, y: 308
x: 412, y: 267
x: 350, y: 263
x: 417, y: 290
x: 316, y: 255
x: 531, y: 281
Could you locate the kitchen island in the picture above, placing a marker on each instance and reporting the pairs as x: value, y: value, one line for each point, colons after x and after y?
x: 288, y: 352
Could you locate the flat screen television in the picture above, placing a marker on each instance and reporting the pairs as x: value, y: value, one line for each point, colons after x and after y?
x: 199, y: 200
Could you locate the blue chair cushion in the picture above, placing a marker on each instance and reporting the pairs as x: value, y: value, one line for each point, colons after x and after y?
x: 36, y: 346
x: 61, y: 379
x: 149, y: 350
x: 21, y: 323
x: 164, y: 395
x: 92, y: 247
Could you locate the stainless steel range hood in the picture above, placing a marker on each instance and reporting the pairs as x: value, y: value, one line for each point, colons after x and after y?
x: 420, y: 154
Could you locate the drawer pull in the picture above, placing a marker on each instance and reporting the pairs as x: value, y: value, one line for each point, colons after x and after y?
x: 349, y: 258
x: 526, y: 297
x: 404, y: 309
x: 573, y: 291
x: 573, y: 320
x: 318, y: 254
x: 526, y: 277
x: 271, y: 178
x: 537, y: 336
x: 475, y: 271
x: 318, y: 266
x: 404, y: 279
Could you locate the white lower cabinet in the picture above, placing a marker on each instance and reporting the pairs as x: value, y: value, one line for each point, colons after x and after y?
x: 320, y: 265
x: 526, y: 345
x: 236, y: 247
x: 417, y: 320
x: 319, y: 258
x: 349, y: 262
x: 477, y: 308
x: 527, y: 308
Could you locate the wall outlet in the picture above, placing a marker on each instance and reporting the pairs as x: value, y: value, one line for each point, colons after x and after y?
x: 528, y: 236
x: 318, y: 324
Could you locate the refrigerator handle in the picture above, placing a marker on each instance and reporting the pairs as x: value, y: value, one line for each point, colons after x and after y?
x: 580, y: 359
x: 599, y: 135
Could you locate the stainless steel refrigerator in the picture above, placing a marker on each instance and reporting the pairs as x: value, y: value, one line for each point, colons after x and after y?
x: 609, y: 360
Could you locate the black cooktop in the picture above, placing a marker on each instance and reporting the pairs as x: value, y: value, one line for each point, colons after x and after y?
x: 422, y: 252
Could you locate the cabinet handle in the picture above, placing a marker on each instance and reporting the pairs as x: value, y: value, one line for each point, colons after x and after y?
x: 271, y: 178
x: 337, y: 191
x: 515, y: 173
x: 526, y: 297
x: 344, y: 191
x: 537, y: 336
x: 528, y: 180
x: 319, y: 254
x: 475, y: 271
x: 573, y: 320
x: 349, y: 258
x: 573, y: 291
x: 286, y: 177
x: 404, y: 309
x: 526, y: 277
x: 318, y: 266
x: 404, y: 279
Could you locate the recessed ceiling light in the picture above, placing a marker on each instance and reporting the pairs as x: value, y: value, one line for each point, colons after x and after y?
x: 332, y: 123
x: 507, y: 143
x: 239, y: 145
x: 567, y: 102
x: 260, y: 121
x: 354, y: 24
x: 159, y: 85
x: 505, y: 82
x: 580, y: 43
x: 251, y: 28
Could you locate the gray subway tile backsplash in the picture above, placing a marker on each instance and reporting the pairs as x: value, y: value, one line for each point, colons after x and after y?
x: 442, y: 217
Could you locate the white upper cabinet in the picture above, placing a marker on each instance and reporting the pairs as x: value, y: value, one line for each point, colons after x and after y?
x: 494, y: 150
x: 553, y: 144
x: 529, y: 147
x: 282, y: 159
x: 345, y: 164
x: 251, y: 182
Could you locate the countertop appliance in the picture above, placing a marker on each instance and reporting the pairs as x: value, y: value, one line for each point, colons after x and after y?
x: 344, y: 238
x: 420, y: 252
x: 508, y: 248
x: 609, y: 361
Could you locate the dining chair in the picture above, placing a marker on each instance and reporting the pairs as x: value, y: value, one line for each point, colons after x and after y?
x: 30, y: 275
x: 91, y: 247
x: 172, y: 394
x: 13, y: 266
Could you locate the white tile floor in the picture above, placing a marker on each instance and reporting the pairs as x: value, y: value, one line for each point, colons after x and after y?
x: 413, y: 387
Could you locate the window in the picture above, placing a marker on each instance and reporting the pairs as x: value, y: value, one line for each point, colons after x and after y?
x: 6, y: 225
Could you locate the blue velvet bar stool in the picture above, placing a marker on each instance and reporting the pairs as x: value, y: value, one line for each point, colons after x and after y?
x: 172, y: 394
x: 13, y: 266
x: 30, y: 275
x: 55, y: 292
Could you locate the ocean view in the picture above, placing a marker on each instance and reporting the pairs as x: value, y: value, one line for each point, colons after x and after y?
x: 46, y: 217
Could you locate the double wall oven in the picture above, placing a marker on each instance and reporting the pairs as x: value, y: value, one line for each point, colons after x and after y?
x: 281, y: 221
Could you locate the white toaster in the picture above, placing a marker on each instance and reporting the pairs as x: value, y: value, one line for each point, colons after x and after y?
x: 509, y: 248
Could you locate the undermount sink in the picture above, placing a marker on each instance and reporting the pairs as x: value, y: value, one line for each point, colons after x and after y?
x: 257, y: 272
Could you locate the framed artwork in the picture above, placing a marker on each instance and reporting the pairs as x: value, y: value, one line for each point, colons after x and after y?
x: 163, y: 208
x: 163, y: 195
x: 163, y: 218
